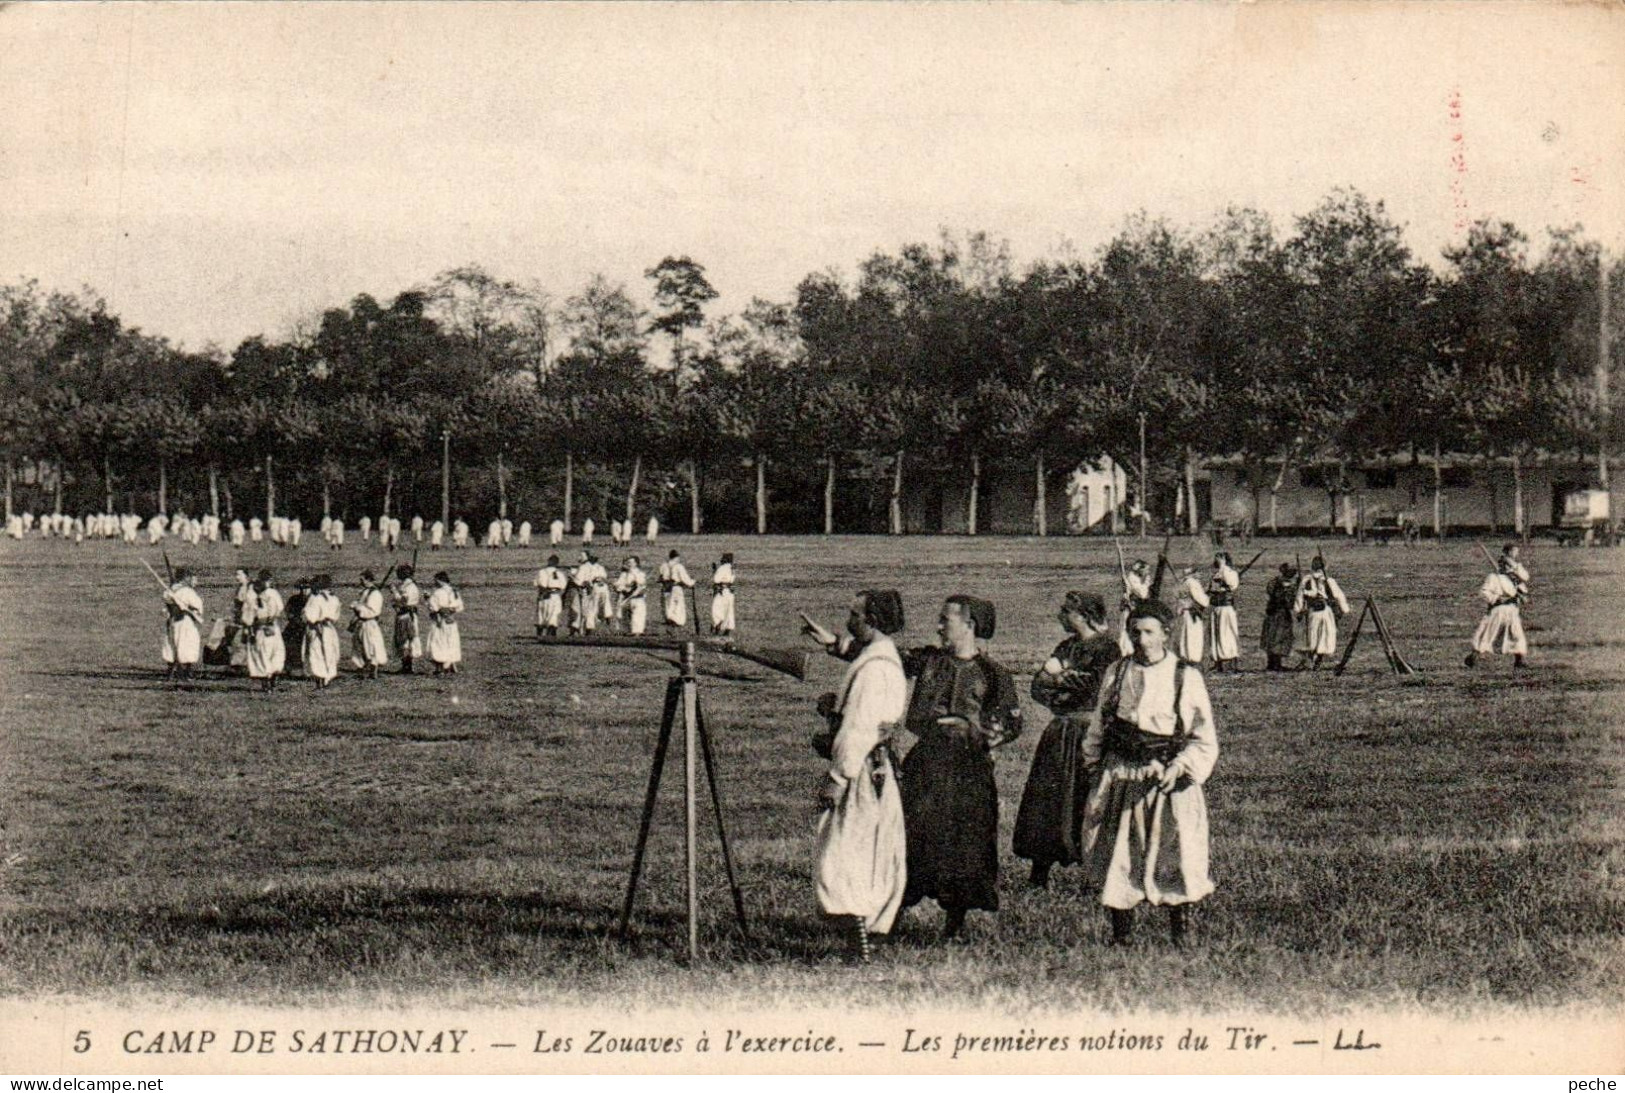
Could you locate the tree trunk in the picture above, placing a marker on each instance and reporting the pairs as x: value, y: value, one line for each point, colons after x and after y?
x: 1275, y: 488
x: 569, y: 488
x: 214, y: 491
x: 761, y: 494
x: 1495, y: 501
x: 163, y: 488
x: 1438, y: 492
x: 327, y: 497
x: 59, y: 476
x: 695, y: 520
x: 829, y: 495
x: 226, y: 486
x: 270, y: 492
x: 389, y: 485
x: 1041, y: 499
x: 975, y: 492
x: 502, y: 488
x: 1519, y: 524
x: 107, y: 482
x: 1193, y: 519
x: 632, y: 490
x: 897, y: 496
x: 11, y: 478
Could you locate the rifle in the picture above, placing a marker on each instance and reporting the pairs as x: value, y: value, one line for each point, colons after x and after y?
x: 1494, y: 565
x: 1242, y: 572
x: 791, y: 662
x: 1162, y: 566
x: 170, y: 570
x: 154, y: 573
x: 1122, y: 569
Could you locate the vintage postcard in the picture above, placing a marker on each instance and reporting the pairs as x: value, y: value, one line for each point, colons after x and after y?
x: 922, y: 538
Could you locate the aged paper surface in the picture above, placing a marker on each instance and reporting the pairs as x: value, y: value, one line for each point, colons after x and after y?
x: 1185, y: 108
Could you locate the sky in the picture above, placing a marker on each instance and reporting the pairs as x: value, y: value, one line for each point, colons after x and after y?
x: 221, y: 170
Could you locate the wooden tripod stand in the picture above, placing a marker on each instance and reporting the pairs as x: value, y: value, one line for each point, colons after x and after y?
x: 683, y: 693
x: 1390, y: 649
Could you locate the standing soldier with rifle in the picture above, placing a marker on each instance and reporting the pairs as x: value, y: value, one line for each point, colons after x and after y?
x: 267, y: 655
x: 183, y: 626
x: 1221, y: 595
x: 1504, y: 593
x: 633, y: 587
x: 1320, y: 604
x: 408, y: 634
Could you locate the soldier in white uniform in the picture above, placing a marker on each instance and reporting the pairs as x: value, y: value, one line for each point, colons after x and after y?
x: 633, y: 586
x: 1320, y: 604
x: 254, y: 530
x: 555, y: 533
x: 459, y: 533
x: 551, y: 581
x: 722, y: 597
x: 335, y: 534
x: 445, y: 640
x: 267, y: 655
x: 524, y: 533
x: 652, y: 532
x: 437, y: 533
x: 1504, y: 593
x: 417, y: 529
x: 368, y: 651
x: 1221, y: 594
x: 1189, y: 642
x: 183, y: 627
x: 586, y: 531
x: 674, y: 579
x: 322, y: 632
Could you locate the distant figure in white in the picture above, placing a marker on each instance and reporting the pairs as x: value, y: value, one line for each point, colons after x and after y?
x: 322, y: 632
x: 183, y: 627
x: 1221, y: 594
x: 368, y: 651
x: 722, y: 597
x: 445, y: 640
x: 632, y: 585
x: 1320, y: 604
x: 1193, y: 605
x: 1504, y: 593
x: 267, y: 655
x: 551, y: 581
x: 674, y: 579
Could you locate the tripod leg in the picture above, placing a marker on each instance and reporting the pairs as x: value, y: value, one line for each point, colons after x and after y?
x: 674, y: 691
x: 722, y: 833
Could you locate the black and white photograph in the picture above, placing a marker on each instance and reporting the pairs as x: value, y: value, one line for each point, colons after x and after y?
x: 827, y: 539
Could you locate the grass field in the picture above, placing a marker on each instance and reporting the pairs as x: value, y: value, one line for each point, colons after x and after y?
x: 1449, y: 840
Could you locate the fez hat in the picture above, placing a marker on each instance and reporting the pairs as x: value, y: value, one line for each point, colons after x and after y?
x: 1152, y: 609
x: 982, y: 614
x: 1087, y: 604
x: 442, y: 577
x: 883, y: 609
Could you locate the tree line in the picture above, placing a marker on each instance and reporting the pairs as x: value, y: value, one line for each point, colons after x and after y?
x: 1326, y: 346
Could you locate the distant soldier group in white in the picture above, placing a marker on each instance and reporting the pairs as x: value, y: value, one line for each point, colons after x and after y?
x: 264, y: 625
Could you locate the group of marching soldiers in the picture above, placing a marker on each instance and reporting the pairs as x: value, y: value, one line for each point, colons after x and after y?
x: 267, y: 634
x: 581, y: 598
x: 1300, y: 613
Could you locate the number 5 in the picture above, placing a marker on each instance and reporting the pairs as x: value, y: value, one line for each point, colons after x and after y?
x: 81, y: 1042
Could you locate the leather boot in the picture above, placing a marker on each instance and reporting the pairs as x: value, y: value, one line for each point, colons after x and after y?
x: 1178, y: 921
x: 1122, y: 927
